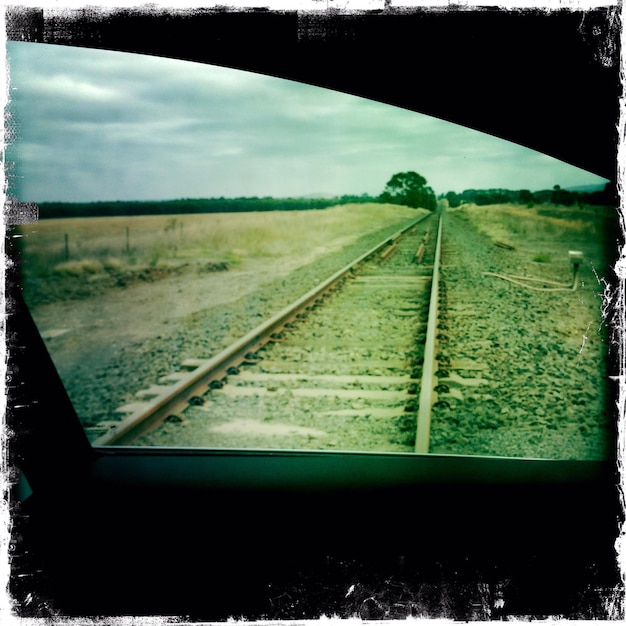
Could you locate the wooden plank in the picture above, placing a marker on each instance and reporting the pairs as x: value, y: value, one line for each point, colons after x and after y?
x: 408, y: 280
x: 131, y: 407
x: 194, y: 363
x: 453, y: 393
x: 346, y: 394
x: 466, y: 382
x: 389, y: 251
x: 173, y: 377
x: 419, y: 255
x: 373, y: 412
x: 466, y: 364
x: 338, y: 378
x: 152, y: 391
x: 380, y: 364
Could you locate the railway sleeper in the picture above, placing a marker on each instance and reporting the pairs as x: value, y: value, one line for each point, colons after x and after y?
x: 388, y: 252
x: 193, y: 364
x: 450, y: 394
x: 419, y: 255
x: 375, y: 280
x: 173, y: 378
x: 129, y: 408
x: 370, y: 412
x: 153, y: 391
x: 454, y: 379
x: 104, y: 425
x: 396, y: 364
x: 337, y: 378
x: 465, y: 364
x: 303, y: 392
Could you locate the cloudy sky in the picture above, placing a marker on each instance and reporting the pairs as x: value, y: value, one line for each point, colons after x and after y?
x: 96, y: 125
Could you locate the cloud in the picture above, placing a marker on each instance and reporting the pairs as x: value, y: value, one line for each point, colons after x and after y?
x: 102, y: 125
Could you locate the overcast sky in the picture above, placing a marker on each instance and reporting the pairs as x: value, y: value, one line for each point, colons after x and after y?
x: 99, y: 125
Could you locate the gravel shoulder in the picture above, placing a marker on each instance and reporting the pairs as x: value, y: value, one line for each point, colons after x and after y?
x: 536, y: 373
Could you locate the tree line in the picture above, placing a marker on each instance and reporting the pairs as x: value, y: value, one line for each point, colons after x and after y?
x: 604, y: 197
x: 404, y: 188
x: 189, y: 206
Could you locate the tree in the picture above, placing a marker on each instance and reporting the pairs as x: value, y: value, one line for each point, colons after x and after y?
x: 526, y: 196
x: 409, y: 189
x: 562, y: 196
x: 608, y: 196
x: 454, y: 199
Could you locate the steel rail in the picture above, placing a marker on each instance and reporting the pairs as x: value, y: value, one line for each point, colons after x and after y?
x: 429, y: 369
x: 174, y: 398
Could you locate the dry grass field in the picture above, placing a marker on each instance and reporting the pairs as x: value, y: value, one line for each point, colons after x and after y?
x: 75, y: 257
x: 544, y: 234
x: 539, y: 223
x: 100, y: 243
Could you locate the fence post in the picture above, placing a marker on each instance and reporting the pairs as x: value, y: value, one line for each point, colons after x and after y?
x: 67, y: 246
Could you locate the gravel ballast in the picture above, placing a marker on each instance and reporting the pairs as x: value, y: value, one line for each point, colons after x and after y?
x: 532, y: 364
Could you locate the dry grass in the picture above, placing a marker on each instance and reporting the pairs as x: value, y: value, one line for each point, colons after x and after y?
x: 115, y: 243
x: 78, y: 268
x: 501, y: 222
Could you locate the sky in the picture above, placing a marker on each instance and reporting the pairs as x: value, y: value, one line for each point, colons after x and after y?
x: 93, y: 125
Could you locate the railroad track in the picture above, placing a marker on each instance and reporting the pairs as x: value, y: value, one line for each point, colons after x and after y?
x: 350, y: 365
x: 463, y: 377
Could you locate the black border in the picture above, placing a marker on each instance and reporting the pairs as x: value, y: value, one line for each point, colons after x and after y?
x: 235, y: 531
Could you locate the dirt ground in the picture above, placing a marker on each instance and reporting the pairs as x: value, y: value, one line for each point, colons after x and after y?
x: 118, y: 317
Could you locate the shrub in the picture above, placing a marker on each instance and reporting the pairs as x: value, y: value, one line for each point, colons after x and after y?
x: 154, y: 258
x: 112, y: 264
x: 542, y: 257
x: 78, y: 268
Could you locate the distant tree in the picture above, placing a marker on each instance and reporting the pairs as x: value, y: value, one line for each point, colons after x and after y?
x: 562, y: 196
x: 607, y: 197
x: 454, y: 199
x: 409, y: 189
x: 492, y: 196
x: 525, y: 196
